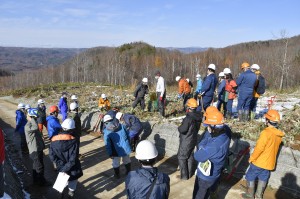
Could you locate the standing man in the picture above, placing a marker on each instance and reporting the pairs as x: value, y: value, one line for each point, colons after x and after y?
x: 133, y: 125
x: 263, y: 158
x: 221, y: 92
x: 230, y: 91
x: 53, y: 124
x: 212, y: 149
x: 161, y: 93
x: 199, y: 86
x: 75, y: 116
x: 147, y: 181
x: 36, y: 146
x: 117, y: 144
x: 184, y: 90
x: 41, y: 118
x: 208, y: 87
x: 63, y: 106
x: 139, y: 94
x: 245, y: 82
x: 188, y: 131
x: 20, y: 127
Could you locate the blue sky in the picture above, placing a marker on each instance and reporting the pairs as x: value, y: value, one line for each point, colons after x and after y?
x: 177, y: 23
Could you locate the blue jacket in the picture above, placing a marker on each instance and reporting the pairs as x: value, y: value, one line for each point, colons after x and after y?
x: 199, y: 86
x: 112, y: 113
x: 221, y: 89
x: 20, y: 121
x: 116, y: 139
x: 63, y: 153
x: 53, y: 126
x: 63, y: 105
x: 209, y: 85
x: 138, y: 184
x: 246, y: 82
x: 213, y: 147
x: 133, y: 125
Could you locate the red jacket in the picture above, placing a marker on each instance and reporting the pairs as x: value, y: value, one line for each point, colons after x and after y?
x: 2, y: 148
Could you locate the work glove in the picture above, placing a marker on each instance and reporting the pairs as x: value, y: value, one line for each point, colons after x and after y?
x: 179, y: 96
x: 200, y: 94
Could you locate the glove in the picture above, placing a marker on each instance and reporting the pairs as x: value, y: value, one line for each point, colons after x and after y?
x: 179, y: 96
x: 160, y: 98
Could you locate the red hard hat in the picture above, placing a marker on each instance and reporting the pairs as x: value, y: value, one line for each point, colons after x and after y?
x: 53, y: 109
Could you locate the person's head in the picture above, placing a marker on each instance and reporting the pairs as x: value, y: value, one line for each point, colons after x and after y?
x: 245, y: 66
x: 145, y: 81
x: 272, y: 118
x: 53, y: 110
x: 198, y: 76
x: 74, y: 98
x: 21, y: 107
x: 32, y: 113
x: 227, y: 73
x: 41, y: 102
x: 74, y: 107
x: 191, y: 104
x: 177, y: 78
x: 213, y: 120
x: 255, y: 68
x: 157, y: 74
x: 211, y: 68
x: 103, y: 96
x: 146, y: 153
x: 107, y: 119
x: 27, y: 106
x: 68, y: 125
x: 64, y: 94
x: 221, y: 75
x: 119, y: 116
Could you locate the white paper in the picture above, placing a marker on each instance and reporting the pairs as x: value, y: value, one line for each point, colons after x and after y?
x: 61, y: 182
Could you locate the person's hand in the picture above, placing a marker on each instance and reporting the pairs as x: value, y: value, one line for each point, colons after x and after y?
x: 160, y: 98
x: 179, y: 96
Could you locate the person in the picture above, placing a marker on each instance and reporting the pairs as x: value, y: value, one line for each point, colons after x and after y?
x: 63, y: 152
x: 2, y: 158
x: 160, y: 93
x: 147, y: 182
x: 208, y: 87
x: 263, y: 158
x: 191, y: 85
x: 133, y: 125
x: 245, y: 82
x: 188, y: 131
x: 53, y: 124
x: 221, y: 92
x: 20, y: 127
x: 212, y: 150
x: 256, y: 69
x: 199, y: 86
x: 230, y: 92
x: 104, y: 103
x: 184, y: 90
x: 139, y: 94
x: 117, y: 144
x: 27, y: 107
x: 63, y: 106
x: 74, y: 99
x: 75, y: 116
x: 41, y: 118
x: 36, y: 146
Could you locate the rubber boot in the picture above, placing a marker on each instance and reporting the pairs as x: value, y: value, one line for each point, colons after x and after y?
x: 71, y: 194
x: 228, y: 115
x: 128, y: 168
x: 240, y: 115
x: 117, y: 173
x: 252, y: 115
x: 246, y: 116
x: 260, y: 189
x: 184, y: 173
x: 249, y: 190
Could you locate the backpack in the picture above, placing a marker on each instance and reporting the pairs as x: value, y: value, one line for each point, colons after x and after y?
x: 261, y: 88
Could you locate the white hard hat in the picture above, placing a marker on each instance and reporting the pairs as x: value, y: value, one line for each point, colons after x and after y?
x: 198, y: 75
x: 255, y: 67
x: 103, y: 95
x: 107, y: 118
x: 221, y: 74
x: 73, y: 106
x: 68, y: 124
x: 212, y: 66
x: 41, y: 101
x: 227, y: 71
x: 145, y: 80
x: 145, y: 150
x: 177, y: 78
x: 119, y: 115
x: 74, y: 97
x: 187, y: 79
x: 27, y: 106
x: 21, y: 105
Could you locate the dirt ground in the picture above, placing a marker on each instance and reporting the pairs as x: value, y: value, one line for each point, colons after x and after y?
x: 98, y: 181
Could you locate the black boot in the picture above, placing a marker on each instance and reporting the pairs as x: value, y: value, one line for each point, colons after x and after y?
x: 128, y: 168
x: 184, y: 173
x: 246, y: 115
x: 241, y: 115
x: 117, y: 172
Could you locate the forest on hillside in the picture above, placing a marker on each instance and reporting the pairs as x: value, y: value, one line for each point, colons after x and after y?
x: 126, y: 65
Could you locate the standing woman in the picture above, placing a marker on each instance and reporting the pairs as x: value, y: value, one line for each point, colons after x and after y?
x: 230, y: 94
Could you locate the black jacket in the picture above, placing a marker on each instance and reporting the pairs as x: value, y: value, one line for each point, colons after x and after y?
x: 63, y: 153
x: 77, y: 131
x: 188, y: 131
x: 141, y: 91
x: 41, y: 119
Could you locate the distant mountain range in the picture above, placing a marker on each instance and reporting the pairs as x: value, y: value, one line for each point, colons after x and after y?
x: 188, y: 50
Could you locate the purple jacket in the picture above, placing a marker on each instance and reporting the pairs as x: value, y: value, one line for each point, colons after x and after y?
x: 63, y: 105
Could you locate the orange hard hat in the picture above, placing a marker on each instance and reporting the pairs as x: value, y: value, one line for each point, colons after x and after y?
x: 210, y: 109
x: 214, y: 118
x: 273, y: 116
x: 245, y: 65
x: 53, y: 109
x: 192, y: 103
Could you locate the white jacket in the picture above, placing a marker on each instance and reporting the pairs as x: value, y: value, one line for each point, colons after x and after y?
x: 160, y: 86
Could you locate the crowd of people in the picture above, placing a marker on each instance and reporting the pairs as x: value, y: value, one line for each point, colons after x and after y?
x: 121, y: 132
